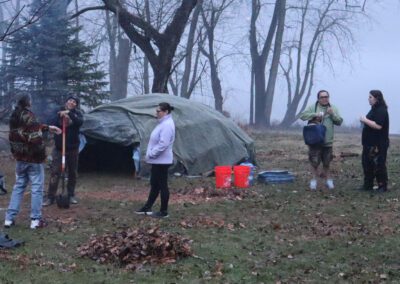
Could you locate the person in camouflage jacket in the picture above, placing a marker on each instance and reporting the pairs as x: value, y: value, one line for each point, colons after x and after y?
x: 28, y: 149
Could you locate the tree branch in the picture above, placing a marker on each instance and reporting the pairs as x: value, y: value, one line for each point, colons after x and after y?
x: 88, y: 9
x: 33, y: 19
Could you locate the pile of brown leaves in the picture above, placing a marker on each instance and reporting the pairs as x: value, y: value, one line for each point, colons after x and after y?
x: 133, y: 248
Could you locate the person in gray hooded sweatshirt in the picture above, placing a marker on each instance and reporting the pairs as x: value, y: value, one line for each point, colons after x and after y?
x: 159, y: 155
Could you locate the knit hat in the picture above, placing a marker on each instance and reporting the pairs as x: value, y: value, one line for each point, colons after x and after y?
x: 75, y: 98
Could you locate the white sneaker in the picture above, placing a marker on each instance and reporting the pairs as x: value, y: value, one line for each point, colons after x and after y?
x: 313, y: 184
x: 38, y: 223
x: 8, y: 223
x: 329, y: 184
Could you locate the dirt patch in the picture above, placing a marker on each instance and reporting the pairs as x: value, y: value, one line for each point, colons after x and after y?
x: 65, y: 219
x: 117, y: 193
x: 177, y: 196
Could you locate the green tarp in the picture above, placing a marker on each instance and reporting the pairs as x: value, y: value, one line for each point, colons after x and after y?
x: 204, y: 137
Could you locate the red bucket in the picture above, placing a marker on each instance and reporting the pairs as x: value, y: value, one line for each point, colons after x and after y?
x: 241, y: 174
x: 223, y: 176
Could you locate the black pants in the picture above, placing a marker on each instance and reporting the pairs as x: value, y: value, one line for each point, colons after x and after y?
x: 71, y: 163
x: 159, y: 185
x: 374, y: 165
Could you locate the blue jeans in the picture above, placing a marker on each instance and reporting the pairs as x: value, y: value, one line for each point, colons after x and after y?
x: 25, y: 172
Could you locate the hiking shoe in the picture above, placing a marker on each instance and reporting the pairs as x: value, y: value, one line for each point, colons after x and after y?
x: 160, y: 215
x: 144, y: 211
x: 329, y: 184
x: 38, y: 223
x: 48, y: 202
x: 313, y: 184
x: 8, y: 224
x: 73, y: 200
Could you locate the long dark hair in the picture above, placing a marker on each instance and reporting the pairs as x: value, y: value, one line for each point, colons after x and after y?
x: 166, y: 107
x: 380, y: 101
x: 23, y: 103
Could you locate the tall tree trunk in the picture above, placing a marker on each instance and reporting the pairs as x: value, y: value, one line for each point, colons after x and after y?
x: 146, y: 71
x: 189, y: 51
x: 76, y: 19
x: 273, y: 74
x: 146, y: 75
x: 259, y: 60
x: 3, y: 58
x: 251, y: 118
x: 119, y: 61
x: 161, y: 76
x: 259, y: 92
x: 121, y: 70
x: 216, y: 87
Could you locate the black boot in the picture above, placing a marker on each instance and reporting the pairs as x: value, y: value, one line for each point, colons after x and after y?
x: 382, y: 188
x: 367, y: 186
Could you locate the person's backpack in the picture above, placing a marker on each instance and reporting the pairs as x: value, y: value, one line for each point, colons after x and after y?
x: 314, y: 132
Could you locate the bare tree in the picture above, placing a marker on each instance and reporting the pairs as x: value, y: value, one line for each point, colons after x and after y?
x: 259, y: 58
x: 211, y: 14
x: 319, y: 24
x: 189, y: 67
x: 150, y: 40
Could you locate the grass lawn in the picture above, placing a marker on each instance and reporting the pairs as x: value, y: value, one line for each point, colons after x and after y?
x: 268, y: 234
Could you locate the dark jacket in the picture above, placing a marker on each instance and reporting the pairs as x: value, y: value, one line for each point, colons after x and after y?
x: 25, y: 137
x: 377, y: 137
x: 72, y: 131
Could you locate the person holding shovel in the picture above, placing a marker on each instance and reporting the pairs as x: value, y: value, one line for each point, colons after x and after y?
x: 28, y: 148
x: 159, y: 155
x: 322, y: 112
x: 73, y: 117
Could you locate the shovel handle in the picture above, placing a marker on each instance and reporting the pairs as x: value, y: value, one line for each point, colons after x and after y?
x: 64, y: 127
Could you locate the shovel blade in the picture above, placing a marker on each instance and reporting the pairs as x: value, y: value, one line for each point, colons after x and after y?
x: 62, y: 201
